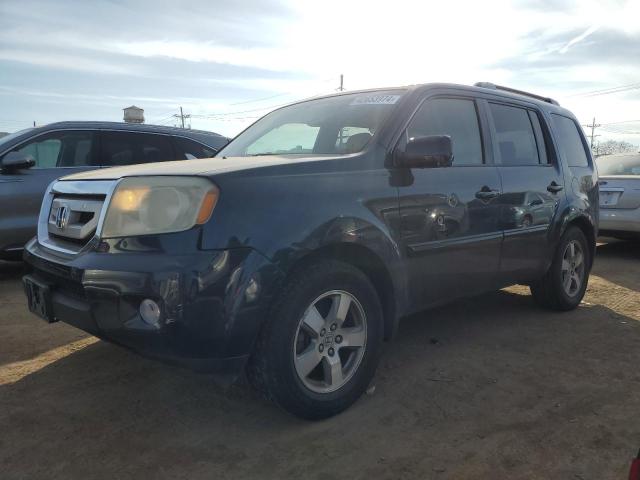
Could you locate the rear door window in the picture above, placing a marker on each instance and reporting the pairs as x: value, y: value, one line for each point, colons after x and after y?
x: 572, y: 148
x: 127, y: 148
x: 514, y: 134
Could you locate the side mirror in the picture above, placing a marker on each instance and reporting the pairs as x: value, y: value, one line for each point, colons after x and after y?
x: 426, y: 152
x: 16, y: 161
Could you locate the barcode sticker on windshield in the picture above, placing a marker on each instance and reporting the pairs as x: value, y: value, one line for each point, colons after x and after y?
x: 375, y: 100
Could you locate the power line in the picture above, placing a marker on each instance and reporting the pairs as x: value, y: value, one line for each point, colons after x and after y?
x: 257, y: 100
x: 621, y: 132
x: 217, y: 116
x: 169, y: 118
x: 624, y: 121
x: 224, y: 114
x: 231, y: 119
x: 608, y: 91
x: 171, y: 121
x: 163, y: 115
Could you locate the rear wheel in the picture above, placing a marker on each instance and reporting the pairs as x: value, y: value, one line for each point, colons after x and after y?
x: 565, y: 283
x: 320, y: 347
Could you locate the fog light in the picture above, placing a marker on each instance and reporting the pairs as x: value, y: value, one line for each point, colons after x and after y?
x: 252, y: 291
x: 150, y: 312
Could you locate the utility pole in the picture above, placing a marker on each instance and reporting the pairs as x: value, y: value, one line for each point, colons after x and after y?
x: 341, y: 87
x: 593, y: 127
x: 182, y: 116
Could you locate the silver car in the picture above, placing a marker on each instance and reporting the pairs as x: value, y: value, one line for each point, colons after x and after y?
x: 32, y: 158
x: 619, y: 195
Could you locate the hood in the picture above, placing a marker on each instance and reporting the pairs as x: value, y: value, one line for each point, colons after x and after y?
x: 205, y: 166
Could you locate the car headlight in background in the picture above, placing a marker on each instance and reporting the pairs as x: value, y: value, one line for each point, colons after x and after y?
x: 152, y: 205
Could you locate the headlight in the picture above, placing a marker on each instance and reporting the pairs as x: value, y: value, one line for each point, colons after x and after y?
x: 152, y: 205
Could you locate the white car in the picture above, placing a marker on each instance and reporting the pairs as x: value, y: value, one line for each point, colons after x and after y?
x: 619, y: 195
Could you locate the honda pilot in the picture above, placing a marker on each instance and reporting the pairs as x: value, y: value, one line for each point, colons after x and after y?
x: 293, y: 255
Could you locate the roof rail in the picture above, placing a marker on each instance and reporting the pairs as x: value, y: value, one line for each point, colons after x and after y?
x: 518, y: 92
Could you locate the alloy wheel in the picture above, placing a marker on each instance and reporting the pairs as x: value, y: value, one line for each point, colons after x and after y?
x: 573, y: 268
x: 330, y: 341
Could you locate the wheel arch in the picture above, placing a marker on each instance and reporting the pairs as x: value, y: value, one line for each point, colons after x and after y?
x: 589, y: 230
x: 370, y: 263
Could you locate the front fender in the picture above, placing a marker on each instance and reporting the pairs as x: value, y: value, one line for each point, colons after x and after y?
x: 287, y: 214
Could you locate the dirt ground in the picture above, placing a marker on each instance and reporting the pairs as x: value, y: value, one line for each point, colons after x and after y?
x: 488, y: 388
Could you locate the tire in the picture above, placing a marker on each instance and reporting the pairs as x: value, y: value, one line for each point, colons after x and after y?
x: 551, y: 290
x: 278, y: 364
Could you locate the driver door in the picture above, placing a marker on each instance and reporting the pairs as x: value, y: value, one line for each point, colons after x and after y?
x: 449, y: 222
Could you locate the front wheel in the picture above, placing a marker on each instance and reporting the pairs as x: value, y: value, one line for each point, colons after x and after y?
x: 320, y: 347
x: 564, y: 285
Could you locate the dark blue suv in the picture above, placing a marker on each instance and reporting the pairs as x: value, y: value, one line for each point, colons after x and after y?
x: 295, y: 252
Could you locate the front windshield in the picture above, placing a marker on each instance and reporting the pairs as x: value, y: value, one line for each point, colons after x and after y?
x: 337, y: 125
x: 11, y: 136
x: 619, y: 165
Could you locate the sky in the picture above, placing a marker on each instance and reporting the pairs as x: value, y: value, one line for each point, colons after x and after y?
x: 227, y: 63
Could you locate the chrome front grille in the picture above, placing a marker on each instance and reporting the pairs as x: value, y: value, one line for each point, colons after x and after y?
x: 72, y: 214
x: 74, y: 218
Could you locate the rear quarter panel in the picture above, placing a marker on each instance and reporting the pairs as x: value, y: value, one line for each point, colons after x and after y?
x: 581, y: 183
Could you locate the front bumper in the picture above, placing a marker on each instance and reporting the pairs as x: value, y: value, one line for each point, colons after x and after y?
x: 212, y: 302
x: 625, y: 220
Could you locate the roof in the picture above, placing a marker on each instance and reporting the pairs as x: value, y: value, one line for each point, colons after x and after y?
x: 211, y: 139
x: 139, y: 127
x: 133, y: 107
x: 481, y: 87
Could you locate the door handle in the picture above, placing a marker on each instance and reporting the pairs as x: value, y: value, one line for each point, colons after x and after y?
x: 553, y: 187
x: 485, y: 193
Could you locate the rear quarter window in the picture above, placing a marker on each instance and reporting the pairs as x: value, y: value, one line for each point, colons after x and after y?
x: 572, y: 148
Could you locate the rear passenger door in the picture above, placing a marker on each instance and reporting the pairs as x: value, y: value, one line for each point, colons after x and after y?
x: 532, y: 185
x: 128, y: 148
x: 449, y: 230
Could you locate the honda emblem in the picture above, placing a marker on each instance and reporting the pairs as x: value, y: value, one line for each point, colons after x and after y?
x: 62, y: 217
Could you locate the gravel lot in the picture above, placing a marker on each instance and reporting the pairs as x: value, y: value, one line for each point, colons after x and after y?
x: 492, y: 387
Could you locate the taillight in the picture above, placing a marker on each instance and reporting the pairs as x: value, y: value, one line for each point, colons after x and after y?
x: 634, y: 473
